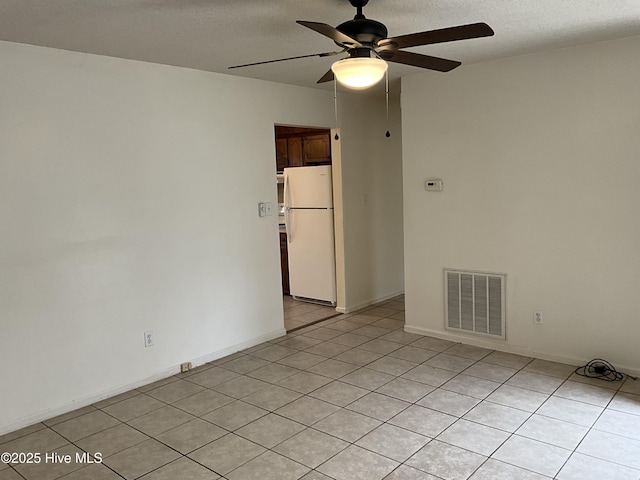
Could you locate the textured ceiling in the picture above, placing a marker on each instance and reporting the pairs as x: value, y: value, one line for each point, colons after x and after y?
x: 215, y: 34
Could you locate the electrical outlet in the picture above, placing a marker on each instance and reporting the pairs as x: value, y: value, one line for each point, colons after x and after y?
x: 268, y: 209
x: 148, y: 338
x: 185, y: 367
x: 538, y: 318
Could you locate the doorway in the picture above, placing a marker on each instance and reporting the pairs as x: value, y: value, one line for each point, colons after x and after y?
x: 303, y: 146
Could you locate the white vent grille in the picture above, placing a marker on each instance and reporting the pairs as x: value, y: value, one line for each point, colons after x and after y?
x: 475, y: 302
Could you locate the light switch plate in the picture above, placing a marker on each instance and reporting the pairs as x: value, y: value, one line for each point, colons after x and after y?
x: 433, y: 185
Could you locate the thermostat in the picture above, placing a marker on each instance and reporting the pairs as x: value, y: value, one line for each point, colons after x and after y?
x: 433, y: 185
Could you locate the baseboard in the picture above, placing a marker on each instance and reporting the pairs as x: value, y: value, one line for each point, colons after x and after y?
x: 502, y: 346
x: 358, y: 306
x: 111, y: 392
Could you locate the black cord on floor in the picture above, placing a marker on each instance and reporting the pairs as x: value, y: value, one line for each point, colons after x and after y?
x: 602, y: 370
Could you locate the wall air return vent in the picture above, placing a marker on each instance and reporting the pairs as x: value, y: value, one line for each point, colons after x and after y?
x: 474, y: 302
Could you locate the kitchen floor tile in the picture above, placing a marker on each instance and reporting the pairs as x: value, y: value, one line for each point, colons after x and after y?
x: 183, y: 468
x: 473, y: 386
x: 190, y: 436
x: 423, y: 421
x: 380, y: 407
x: 435, y: 344
x: 333, y: 368
x: 535, y: 381
x: 406, y: 390
x: 570, y: 411
x: 473, y: 437
x: 45, y: 470
x: 488, y: 371
x: 553, y: 431
x: 85, y: 425
x: 358, y: 357
x: 302, y: 360
x: 498, y: 416
x: 393, y: 442
x: 367, y: 378
x: 347, y: 425
x: 270, y: 430
x: 339, y: 393
x: 429, y: 375
x: 92, y: 472
x: 625, y: 402
x: 413, y: 354
x: 272, y: 397
x: 142, y: 458
x: 619, y: 423
x: 269, y: 466
x: 175, y: 391
x: 355, y: 463
x: 517, y: 397
x: 452, y: 403
x: 392, y: 365
x: 307, y: 410
x: 203, y: 403
x: 585, y: 393
x: 450, y: 362
x: 403, y: 472
x: 583, y: 467
x: 212, y: 376
x: 611, y: 448
x: 273, y: 373
x: 133, y: 407
x: 42, y: 440
x: 234, y: 415
x: 160, y: 420
x: 494, y: 470
x: 508, y: 360
x: 240, y: 386
x: 112, y: 440
x: 311, y: 447
x: 468, y: 351
x: 227, y: 453
x: 304, y: 382
x: 532, y: 455
x: 446, y: 461
x: 544, y: 367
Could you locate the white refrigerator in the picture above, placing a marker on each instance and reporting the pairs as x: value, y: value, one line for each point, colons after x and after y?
x: 308, y: 203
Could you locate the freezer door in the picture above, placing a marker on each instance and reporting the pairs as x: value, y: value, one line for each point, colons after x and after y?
x: 312, y: 260
x: 308, y: 187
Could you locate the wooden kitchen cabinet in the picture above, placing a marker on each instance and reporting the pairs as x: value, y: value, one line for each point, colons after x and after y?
x: 316, y: 150
x: 294, y: 151
x: 284, y: 263
x: 298, y: 147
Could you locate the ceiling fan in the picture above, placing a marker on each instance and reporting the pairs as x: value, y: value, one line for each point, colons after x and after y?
x: 366, y: 43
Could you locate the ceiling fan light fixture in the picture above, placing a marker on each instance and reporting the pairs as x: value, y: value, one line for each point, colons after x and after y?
x: 360, y: 72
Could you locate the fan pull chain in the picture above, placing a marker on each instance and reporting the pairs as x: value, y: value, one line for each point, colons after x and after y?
x: 335, y: 104
x: 388, y: 134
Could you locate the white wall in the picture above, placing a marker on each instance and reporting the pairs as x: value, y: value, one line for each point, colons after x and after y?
x: 540, y: 160
x: 372, y: 175
x: 128, y: 202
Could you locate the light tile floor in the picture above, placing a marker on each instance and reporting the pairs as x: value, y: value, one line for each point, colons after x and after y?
x: 353, y: 397
x: 298, y: 314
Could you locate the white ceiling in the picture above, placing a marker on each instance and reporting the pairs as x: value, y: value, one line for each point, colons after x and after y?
x: 215, y: 34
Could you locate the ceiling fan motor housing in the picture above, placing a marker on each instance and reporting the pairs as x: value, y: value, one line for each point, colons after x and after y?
x: 367, y: 32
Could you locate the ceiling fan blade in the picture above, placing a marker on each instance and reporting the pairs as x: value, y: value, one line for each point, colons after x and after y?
x: 324, y: 54
x: 331, y: 32
x: 450, y: 34
x: 419, y: 60
x: 327, y: 77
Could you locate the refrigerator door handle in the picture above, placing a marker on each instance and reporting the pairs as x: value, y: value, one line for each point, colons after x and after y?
x: 287, y: 208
